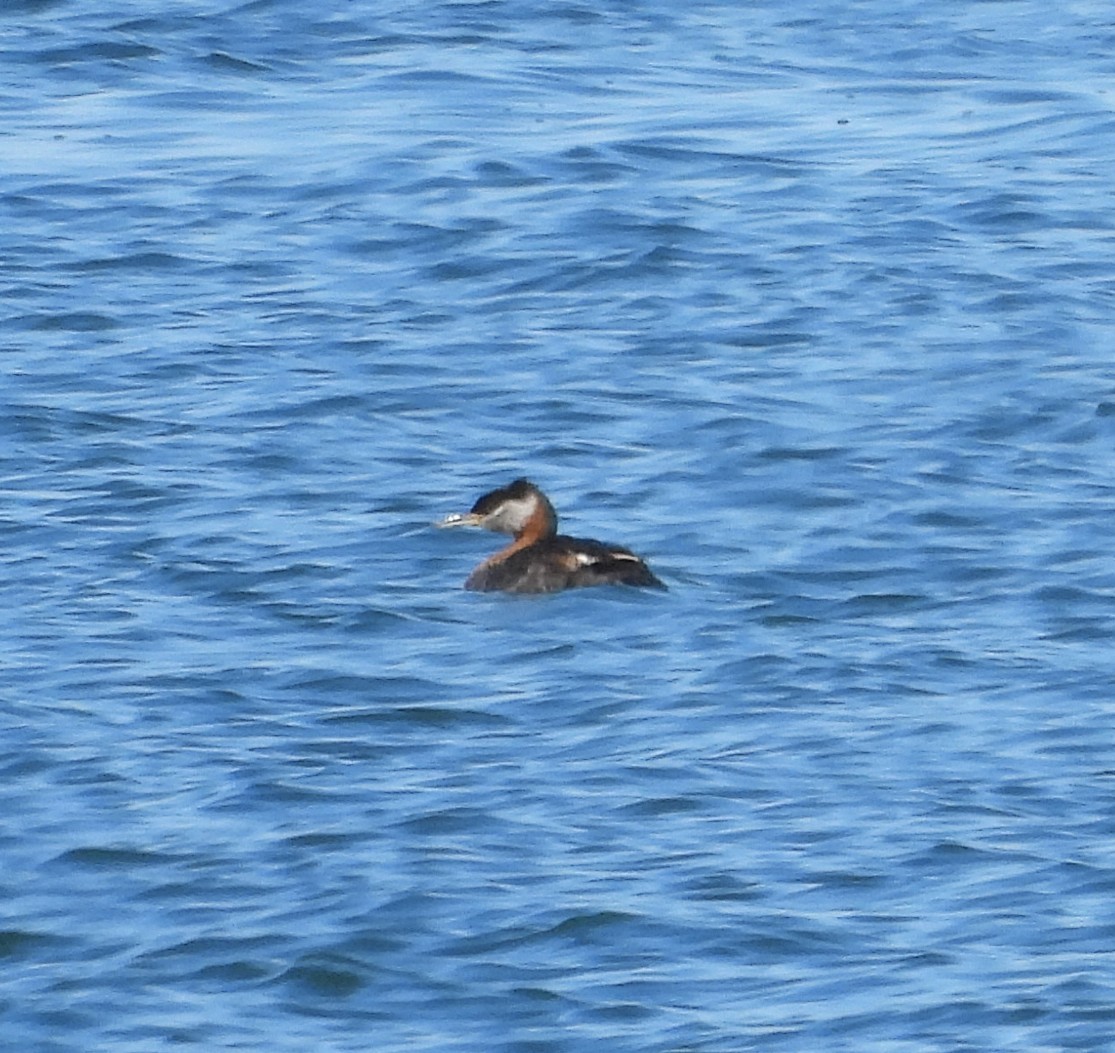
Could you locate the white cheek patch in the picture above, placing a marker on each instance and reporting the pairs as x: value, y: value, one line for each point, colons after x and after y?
x: 518, y: 510
x: 512, y: 515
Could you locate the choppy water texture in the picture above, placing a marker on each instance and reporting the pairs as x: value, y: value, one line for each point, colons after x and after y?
x: 810, y: 305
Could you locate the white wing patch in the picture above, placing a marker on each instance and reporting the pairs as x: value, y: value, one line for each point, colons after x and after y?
x: 584, y: 559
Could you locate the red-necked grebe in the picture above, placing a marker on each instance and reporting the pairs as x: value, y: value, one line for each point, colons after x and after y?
x: 540, y: 559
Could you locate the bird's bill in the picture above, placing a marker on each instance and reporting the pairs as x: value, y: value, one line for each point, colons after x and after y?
x: 455, y: 519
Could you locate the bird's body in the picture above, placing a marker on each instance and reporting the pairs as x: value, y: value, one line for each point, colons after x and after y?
x: 539, y: 559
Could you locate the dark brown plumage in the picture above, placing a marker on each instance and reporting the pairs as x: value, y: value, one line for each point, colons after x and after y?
x: 539, y: 559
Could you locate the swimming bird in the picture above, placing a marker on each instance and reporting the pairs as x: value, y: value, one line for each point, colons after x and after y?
x: 539, y: 559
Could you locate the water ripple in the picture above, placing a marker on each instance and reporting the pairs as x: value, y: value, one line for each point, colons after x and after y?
x: 812, y: 311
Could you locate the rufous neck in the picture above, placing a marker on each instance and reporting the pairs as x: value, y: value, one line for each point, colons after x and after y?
x: 541, y: 523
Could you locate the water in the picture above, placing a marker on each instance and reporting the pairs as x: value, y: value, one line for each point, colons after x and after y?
x: 811, y: 308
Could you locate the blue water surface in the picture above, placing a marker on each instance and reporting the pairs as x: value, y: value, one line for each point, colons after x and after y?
x: 811, y: 306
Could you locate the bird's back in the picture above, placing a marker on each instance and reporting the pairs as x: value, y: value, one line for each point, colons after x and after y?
x: 556, y: 563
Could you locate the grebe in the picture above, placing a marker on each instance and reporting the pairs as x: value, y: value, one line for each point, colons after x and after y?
x: 540, y: 559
